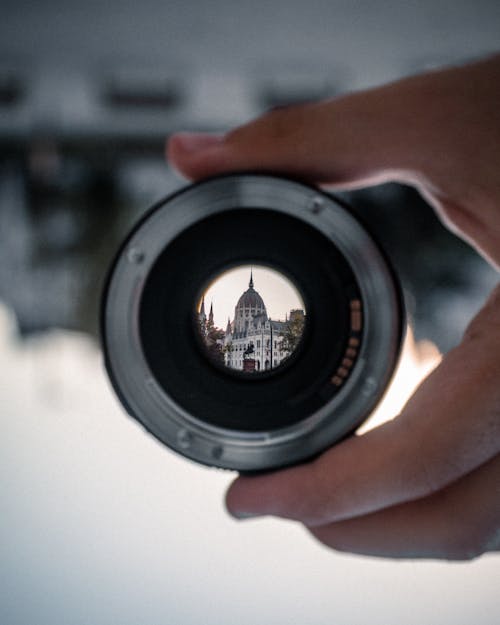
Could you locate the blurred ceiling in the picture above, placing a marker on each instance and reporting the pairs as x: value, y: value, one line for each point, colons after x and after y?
x: 106, y: 68
x: 90, y: 90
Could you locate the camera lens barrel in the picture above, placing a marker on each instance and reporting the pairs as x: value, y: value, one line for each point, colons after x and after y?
x: 347, y: 354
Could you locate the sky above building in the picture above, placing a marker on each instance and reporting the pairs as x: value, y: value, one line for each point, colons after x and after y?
x: 279, y: 294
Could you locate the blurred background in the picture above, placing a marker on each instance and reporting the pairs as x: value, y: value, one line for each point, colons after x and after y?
x: 100, y: 524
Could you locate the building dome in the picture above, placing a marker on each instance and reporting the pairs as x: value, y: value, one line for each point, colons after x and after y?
x: 251, y: 299
x: 249, y: 305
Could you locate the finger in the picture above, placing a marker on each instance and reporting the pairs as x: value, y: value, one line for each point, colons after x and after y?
x: 354, y: 139
x: 410, y: 130
x: 190, y: 153
x: 460, y: 522
x: 449, y: 427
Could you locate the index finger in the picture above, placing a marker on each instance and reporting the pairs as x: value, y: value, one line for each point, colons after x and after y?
x: 351, y: 139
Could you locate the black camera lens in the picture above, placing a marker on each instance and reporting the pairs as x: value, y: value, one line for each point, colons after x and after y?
x: 284, y: 377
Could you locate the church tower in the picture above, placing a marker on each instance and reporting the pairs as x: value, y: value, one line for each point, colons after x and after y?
x: 202, y: 318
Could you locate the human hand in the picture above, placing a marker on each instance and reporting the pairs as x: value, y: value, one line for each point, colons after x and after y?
x: 426, y: 484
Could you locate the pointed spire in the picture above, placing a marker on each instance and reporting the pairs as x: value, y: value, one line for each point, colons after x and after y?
x: 250, y: 284
x: 228, y: 327
x: 202, y: 307
x: 211, y: 315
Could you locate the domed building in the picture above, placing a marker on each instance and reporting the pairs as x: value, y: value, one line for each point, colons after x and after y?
x: 249, y: 305
x: 252, y: 341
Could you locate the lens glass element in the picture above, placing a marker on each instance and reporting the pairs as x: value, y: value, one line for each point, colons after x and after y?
x: 250, y: 319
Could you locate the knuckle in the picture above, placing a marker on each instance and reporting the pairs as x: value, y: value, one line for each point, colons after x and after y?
x: 311, y: 500
x: 286, y: 125
x: 273, y: 135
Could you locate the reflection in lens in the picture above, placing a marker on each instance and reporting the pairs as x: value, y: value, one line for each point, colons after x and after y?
x: 251, y: 330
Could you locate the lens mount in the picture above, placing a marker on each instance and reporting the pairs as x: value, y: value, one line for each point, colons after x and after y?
x: 333, y: 381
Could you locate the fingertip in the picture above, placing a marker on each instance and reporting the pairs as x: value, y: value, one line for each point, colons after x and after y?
x: 271, y: 493
x: 192, y: 142
x: 193, y: 154
x: 232, y: 503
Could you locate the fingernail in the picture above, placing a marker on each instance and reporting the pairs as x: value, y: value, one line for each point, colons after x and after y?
x: 195, y: 141
x: 241, y: 516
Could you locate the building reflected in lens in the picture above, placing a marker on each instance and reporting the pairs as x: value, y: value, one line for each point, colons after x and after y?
x: 252, y: 341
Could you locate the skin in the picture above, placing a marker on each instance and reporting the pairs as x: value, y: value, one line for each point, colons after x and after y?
x: 426, y: 484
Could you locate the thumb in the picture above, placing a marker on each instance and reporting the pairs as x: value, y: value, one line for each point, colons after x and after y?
x: 353, y: 140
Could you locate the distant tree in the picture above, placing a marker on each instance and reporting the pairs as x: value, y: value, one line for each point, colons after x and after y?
x: 292, y: 332
x: 213, y: 341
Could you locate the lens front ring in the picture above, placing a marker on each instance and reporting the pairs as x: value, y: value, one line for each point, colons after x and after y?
x: 167, y: 418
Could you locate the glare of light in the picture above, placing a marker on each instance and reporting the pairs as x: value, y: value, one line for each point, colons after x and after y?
x: 417, y: 361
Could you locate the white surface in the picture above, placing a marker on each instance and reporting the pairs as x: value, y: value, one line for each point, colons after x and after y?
x: 100, y: 524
